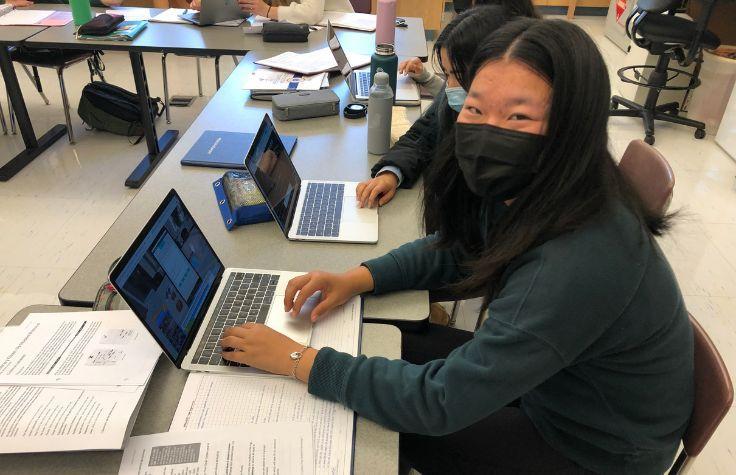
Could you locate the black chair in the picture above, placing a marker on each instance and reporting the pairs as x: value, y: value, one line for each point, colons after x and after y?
x: 57, y: 60
x: 653, y: 26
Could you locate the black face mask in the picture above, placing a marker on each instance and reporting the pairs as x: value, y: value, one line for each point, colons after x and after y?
x: 496, y: 163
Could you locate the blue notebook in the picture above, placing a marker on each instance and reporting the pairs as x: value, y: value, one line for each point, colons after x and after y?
x: 219, y: 149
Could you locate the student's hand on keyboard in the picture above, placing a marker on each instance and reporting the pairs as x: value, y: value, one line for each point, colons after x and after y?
x: 264, y: 348
x: 377, y: 191
x: 336, y: 289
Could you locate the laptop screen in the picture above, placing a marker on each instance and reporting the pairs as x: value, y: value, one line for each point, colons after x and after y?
x: 167, y: 275
x: 340, y: 57
x: 274, y: 173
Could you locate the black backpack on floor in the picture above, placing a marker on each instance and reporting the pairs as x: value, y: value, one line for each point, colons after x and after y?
x: 113, y: 109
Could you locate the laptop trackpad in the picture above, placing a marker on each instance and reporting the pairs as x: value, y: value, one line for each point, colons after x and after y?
x: 297, y: 328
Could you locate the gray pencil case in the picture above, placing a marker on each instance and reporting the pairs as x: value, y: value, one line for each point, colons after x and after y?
x: 305, y: 104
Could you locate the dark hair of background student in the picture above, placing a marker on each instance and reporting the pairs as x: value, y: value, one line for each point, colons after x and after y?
x: 462, y: 36
x: 577, y: 176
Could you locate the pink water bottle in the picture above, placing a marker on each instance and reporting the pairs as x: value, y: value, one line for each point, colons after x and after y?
x: 386, y: 22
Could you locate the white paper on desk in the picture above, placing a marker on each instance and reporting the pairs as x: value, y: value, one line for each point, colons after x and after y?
x: 51, y: 419
x: 24, y: 17
x: 132, y: 14
x: 78, y: 349
x: 251, y: 448
x: 312, y: 63
x: 211, y: 401
x: 271, y: 80
x: 170, y: 15
x: 353, y: 21
x: 254, y: 24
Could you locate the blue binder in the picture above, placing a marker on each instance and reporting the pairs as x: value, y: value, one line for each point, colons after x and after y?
x: 220, y: 149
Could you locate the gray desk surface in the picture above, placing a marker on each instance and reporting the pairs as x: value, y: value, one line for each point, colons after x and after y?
x: 376, y: 448
x: 329, y: 148
x: 222, y: 40
x: 11, y: 35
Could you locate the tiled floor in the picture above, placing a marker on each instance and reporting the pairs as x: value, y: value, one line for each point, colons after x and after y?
x: 52, y: 213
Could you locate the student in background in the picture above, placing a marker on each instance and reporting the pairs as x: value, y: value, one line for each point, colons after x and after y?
x: 295, y: 11
x: 585, y: 361
x: 94, y: 3
x: 453, y: 50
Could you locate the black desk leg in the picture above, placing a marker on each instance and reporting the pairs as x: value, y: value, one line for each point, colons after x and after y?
x: 34, y: 146
x: 157, y: 148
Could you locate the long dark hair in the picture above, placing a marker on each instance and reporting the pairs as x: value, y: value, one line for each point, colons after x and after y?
x: 577, y: 177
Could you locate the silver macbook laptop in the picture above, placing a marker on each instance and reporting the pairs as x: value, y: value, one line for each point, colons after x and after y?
x: 306, y: 210
x: 359, y: 82
x: 177, y: 286
x: 215, y: 11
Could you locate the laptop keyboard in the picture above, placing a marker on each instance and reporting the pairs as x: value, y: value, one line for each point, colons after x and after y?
x: 363, y: 83
x: 246, y: 298
x: 322, y: 210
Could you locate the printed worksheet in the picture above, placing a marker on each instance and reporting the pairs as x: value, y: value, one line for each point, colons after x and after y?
x: 72, y: 349
x: 51, y: 419
x: 246, y: 449
x: 211, y: 401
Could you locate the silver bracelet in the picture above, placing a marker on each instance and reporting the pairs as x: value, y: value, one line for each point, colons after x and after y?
x: 297, y: 357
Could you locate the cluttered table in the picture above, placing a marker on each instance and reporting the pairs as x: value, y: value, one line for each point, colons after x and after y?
x: 375, y: 449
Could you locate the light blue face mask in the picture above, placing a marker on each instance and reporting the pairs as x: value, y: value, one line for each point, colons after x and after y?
x: 456, y: 98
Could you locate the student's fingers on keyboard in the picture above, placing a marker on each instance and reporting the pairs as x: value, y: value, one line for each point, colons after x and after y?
x: 360, y: 188
x: 324, y: 306
x: 367, y: 193
x: 377, y: 191
x: 234, y: 342
x: 292, y: 288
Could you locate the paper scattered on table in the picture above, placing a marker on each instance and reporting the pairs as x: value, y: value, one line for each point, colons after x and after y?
x: 270, y: 80
x: 353, y: 21
x: 313, y: 62
x: 400, y: 123
x: 24, y: 17
x: 55, y: 419
x: 57, y: 19
x: 171, y: 15
x: 131, y: 14
x: 212, y: 401
x: 85, y: 348
x: 250, y: 448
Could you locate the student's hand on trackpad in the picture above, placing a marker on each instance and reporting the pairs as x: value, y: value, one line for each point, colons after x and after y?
x: 328, y: 290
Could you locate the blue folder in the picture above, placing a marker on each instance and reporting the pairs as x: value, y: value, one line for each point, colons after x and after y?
x: 220, y: 149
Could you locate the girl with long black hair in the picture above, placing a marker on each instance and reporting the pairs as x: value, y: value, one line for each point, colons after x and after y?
x: 453, y: 51
x: 585, y: 360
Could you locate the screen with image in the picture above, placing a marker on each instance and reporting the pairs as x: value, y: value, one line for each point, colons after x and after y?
x: 273, y: 172
x: 167, y: 276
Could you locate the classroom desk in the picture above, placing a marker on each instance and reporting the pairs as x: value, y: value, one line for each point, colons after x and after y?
x: 194, y: 40
x: 13, y: 36
x: 329, y: 148
x: 376, y: 448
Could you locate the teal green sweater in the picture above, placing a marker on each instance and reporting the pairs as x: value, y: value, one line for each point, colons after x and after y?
x: 589, y: 330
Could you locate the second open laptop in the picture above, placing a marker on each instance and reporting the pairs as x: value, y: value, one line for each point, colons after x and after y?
x: 359, y: 82
x: 214, y: 11
x: 176, y: 285
x: 306, y: 210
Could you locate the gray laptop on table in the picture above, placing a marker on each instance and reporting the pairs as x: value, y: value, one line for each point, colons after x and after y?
x: 306, y: 210
x: 359, y: 82
x: 215, y: 11
x: 176, y: 285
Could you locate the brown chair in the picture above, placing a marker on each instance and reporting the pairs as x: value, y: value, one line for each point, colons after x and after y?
x: 713, y: 398
x: 650, y: 175
x: 361, y: 6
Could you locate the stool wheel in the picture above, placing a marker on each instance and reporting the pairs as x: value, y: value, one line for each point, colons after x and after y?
x: 650, y: 139
x: 699, y: 133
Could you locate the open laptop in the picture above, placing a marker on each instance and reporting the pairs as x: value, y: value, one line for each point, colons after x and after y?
x: 359, y: 82
x: 214, y: 11
x: 177, y: 286
x: 306, y: 210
